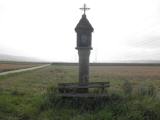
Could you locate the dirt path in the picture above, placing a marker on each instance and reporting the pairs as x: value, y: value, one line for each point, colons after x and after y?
x: 22, y: 70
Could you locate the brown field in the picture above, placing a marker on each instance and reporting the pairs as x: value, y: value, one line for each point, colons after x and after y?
x: 138, y: 76
x: 7, y: 66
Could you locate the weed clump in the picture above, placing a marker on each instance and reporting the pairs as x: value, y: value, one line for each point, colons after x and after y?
x: 114, y: 107
x: 53, y: 99
x: 127, y: 87
x: 146, y: 90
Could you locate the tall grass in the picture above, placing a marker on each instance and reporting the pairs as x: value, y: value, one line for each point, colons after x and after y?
x: 33, y: 95
x: 116, y: 107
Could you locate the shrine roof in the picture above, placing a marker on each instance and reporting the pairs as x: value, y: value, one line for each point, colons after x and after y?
x: 84, y: 24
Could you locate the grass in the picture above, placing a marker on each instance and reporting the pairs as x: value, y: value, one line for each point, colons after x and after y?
x: 25, y: 96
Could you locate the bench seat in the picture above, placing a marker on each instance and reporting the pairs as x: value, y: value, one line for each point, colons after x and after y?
x: 77, y: 87
x: 83, y: 95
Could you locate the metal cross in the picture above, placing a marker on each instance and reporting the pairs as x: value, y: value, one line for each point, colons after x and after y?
x: 84, y: 8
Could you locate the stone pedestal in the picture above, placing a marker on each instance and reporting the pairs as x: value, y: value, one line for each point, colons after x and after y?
x: 83, y: 65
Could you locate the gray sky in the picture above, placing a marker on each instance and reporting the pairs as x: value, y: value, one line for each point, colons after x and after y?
x: 124, y: 29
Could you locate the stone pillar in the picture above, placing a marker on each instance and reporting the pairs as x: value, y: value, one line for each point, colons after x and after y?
x: 84, y: 65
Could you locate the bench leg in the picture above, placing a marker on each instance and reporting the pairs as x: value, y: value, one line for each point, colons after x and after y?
x: 102, y: 90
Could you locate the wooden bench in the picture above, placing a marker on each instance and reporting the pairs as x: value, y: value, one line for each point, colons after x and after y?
x: 83, y: 95
x: 81, y: 89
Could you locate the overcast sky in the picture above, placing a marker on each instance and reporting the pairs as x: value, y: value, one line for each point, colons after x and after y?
x: 44, y: 29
